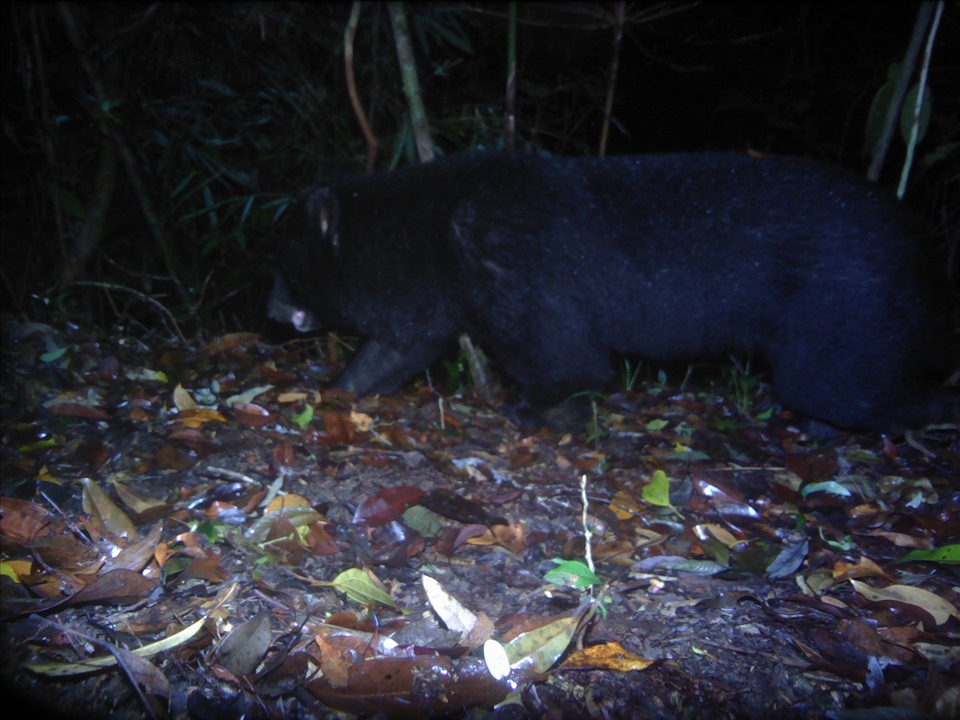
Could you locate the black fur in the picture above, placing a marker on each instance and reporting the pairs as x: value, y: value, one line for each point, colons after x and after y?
x: 555, y: 265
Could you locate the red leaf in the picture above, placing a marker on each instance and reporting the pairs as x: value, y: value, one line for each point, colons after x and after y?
x: 387, y: 505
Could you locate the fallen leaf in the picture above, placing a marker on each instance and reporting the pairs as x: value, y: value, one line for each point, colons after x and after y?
x: 362, y: 586
x: 387, y: 505
x: 609, y: 656
x: 939, y: 609
x: 451, y: 611
x: 103, y: 509
x: 244, y: 647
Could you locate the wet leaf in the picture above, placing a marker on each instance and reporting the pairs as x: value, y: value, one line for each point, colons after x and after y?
x: 509, y: 537
x: 413, y: 687
x: 14, y: 569
x: 361, y: 421
x: 424, y: 521
x: 864, y: 568
x: 196, y: 418
x: 117, y: 587
x: 285, y: 501
x: 137, y: 555
x: 830, y: 486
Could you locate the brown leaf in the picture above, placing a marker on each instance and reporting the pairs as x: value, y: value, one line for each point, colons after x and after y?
x: 21, y: 521
x: 116, y: 587
x: 251, y: 414
x: 456, y: 507
x: 387, y: 505
x: 138, y: 554
x: 98, y: 505
x: 196, y: 418
x: 206, y: 567
x: 232, y: 343
x: 319, y: 541
x: 150, y: 684
x: 78, y: 411
x: 412, y: 687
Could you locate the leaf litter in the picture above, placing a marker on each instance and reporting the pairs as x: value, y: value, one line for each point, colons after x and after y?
x: 211, y: 533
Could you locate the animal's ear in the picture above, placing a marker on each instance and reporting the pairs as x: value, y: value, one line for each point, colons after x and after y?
x: 322, y: 216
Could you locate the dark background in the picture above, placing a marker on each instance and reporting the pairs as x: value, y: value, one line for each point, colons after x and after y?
x: 155, y: 149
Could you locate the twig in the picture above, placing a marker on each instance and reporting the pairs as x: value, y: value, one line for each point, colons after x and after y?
x: 167, y: 315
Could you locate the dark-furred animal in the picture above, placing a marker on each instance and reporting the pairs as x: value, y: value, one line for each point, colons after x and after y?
x: 556, y: 266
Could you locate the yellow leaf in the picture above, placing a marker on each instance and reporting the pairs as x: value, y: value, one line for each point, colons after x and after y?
x: 609, y: 656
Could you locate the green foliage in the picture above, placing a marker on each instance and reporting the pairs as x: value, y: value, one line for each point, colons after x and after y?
x: 946, y: 555
x: 631, y: 374
x: 881, y: 105
x: 657, y: 491
x: 571, y: 573
x: 457, y: 374
x: 747, y: 389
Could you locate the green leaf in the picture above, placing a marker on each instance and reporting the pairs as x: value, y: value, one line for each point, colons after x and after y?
x: 302, y: 419
x: 539, y: 649
x: 572, y: 573
x: 878, y: 109
x: 363, y: 587
x: 830, y: 486
x: 907, y: 110
x: 53, y: 355
x: 657, y: 491
x: 946, y: 555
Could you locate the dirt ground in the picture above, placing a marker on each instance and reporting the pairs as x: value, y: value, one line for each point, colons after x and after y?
x: 234, y: 541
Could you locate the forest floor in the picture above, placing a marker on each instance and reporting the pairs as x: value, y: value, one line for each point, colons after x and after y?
x: 207, y: 534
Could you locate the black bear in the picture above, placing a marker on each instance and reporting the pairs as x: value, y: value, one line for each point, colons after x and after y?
x: 555, y: 266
